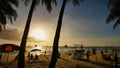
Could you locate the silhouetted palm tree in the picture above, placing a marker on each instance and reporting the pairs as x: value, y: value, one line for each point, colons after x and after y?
x: 114, y: 7
x: 55, y: 53
x: 7, y: 12
x: 21, y: 59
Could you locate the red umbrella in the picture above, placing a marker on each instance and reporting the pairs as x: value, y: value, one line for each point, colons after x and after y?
x: 8, y: 47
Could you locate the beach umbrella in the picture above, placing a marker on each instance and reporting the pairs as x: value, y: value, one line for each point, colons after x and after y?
x: 33, y: 50
x: 7, y: 48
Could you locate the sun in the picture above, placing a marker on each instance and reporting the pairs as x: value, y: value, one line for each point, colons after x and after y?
x: 39, y: 34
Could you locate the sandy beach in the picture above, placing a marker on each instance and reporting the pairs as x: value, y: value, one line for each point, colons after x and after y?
x: 65, y: 61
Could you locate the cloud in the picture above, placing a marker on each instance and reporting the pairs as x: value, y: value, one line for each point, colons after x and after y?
x: 15, y: 35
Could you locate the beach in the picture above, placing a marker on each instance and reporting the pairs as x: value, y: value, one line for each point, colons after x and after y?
x: 65, y: 61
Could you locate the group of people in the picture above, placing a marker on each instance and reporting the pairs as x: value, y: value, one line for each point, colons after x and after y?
x: 33, y: 58
x: 89, y: 52
x: 108, y: 55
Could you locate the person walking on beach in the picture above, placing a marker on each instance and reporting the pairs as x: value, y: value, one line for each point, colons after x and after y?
x: 16, y: 58
x: 113, y: 52
x: 116, y: 60
x: 88, y: 54
x: 36, y: 58
x: 45, y: 52
x: 102, y: 54
x: 93, y: 51
x: 30, y: 58
x: 29, y: 55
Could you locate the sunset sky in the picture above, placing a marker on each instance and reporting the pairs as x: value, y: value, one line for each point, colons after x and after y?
x: 83, y: 24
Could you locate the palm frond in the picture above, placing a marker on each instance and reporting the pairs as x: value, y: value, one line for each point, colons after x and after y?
x: 116, y: 24
x: 114, y: 15
x: 10, y: 18
x: 54, y: 1
x: 14, y: 2
x: 48, y: 5
x: 110, y: 3
x: 7, y: 12
x: 10, y: 12
x: 77, y: 2
x: 2, y: 19
x: 27, y: 2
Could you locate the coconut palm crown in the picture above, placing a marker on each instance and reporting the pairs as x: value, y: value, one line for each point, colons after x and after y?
x: 114, y: 15
x: 7, y: 12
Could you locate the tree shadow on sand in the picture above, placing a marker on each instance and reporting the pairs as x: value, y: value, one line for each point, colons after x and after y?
x: 64, y: 59
x: 40, y: 64
x: 104, y: 65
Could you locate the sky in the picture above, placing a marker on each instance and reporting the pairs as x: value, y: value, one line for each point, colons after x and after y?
x: 84, y: 24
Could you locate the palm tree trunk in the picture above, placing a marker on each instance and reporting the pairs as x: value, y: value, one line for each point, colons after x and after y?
x: 57, y: 35
x: 21, y: 59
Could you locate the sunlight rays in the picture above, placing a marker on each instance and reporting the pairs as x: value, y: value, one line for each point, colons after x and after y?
x: 39, y: 34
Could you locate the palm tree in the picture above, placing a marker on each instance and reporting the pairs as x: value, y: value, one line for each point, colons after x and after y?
x: 114, y: 15
x: 7, y: 12
x: 55, y: 52
x: 21, y: 59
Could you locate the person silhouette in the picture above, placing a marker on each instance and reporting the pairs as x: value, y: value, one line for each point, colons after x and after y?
x: 16, y: 58
x: 36, y: 58
x: 88, y: 54
x: 29, y: 55
x: 102, y: 53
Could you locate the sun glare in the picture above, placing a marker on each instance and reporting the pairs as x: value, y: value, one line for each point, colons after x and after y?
x: 39, y: 34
